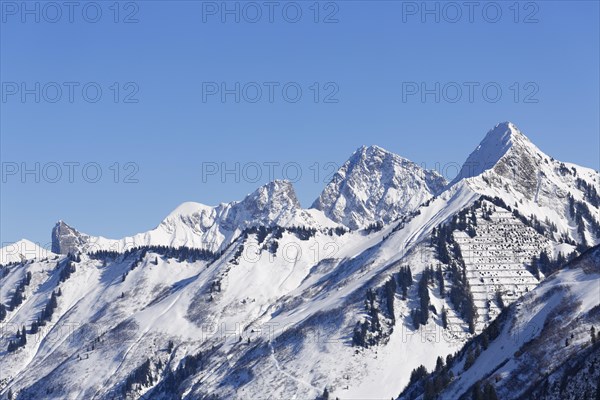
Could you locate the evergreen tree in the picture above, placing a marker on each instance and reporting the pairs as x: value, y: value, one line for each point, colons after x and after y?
x: 444, y: 318
x: 415, y: 315
x: 417, y: 374
x: 428, y: 390
x: 439, y: 364
x: 489, y: 392
x: 440, y: 277
x: 477, y: 395
x: 485, y: 340
x: 470, y: 360
x: 424, y: 298
x: 22, y: 337
x: 34, y: 327
x: 499, y: 299
x: 390, y: 295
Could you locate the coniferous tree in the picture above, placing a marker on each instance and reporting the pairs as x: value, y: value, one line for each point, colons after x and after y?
x: 439, y: 364
x: 489, y: 392
x: 444, y: 318
x: 428, y: 390
x: 470, y: 359
x: 477, y: 395
x: 34, y: 327
x: 418, y: 373
x: 23, y: 339
x: 440, y: 277
x: 424, y: 298
x: 390, y: 293
x: 415, y: 315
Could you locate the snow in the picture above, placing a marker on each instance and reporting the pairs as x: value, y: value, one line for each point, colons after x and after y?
x: 573, y: 289
x: 23, y: 250
x: 375, y: 185
x: 199, y: 226
x: 310, y: 290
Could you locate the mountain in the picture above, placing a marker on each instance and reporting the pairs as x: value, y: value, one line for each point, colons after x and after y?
x: 375, y: 185
x: 288, y: 303
x: 545, y: 346
x: 199, y: 226
x: 23, y: 250
x: 561, y: 196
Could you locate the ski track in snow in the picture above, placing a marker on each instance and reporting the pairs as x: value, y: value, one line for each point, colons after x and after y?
x: 290, y: 293
x: 150, y: 325
x: 283, y: 371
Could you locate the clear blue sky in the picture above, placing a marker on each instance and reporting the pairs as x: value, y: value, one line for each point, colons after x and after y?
x: 369, y: 54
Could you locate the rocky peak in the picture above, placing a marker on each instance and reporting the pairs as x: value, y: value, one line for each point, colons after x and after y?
x: 376, y: 185
x: 66, y: 239
x: 503, y: 141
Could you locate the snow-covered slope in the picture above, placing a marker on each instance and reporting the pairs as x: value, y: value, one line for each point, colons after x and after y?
x: 199, y: 226
x: 375, y: 185
x: 22, y: 250
x: 541, y: 347
x: 507, y: 165
x: 288, y: 302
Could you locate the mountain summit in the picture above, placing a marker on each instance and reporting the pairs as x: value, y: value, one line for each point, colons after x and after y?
x: 196, y: 225
x: 503, y: 139
x: 172, y: 320
x: 375, y: 185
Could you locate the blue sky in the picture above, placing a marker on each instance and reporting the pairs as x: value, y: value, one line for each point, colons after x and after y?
x: 160, y: 124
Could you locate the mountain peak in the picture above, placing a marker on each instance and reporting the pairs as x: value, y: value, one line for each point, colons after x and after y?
x: 22, y: 250
x: 375, y: 185
x: 505, y: 133
x: 271, y: 200
x: 495, y: 145
x: 372, y: 149
x: 373, y: 152
x: 66, y: 239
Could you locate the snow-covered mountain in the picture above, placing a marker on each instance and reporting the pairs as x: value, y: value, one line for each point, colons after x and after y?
x: 375, y: 185
x: 23, y: 250
x: 562, y: 196
x: 200, y: 226
x: 545, y: 346
x: 288, y: 302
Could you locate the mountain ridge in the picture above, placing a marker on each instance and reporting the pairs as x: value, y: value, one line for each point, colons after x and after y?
x: 292, y: 303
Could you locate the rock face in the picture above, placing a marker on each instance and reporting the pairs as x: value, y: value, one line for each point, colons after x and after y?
x: 375, y: 185
x: 508, y: 165
x: 270, y: 204
x: 510, y: 155
x: 66, y: 239
x: 285, y: 313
